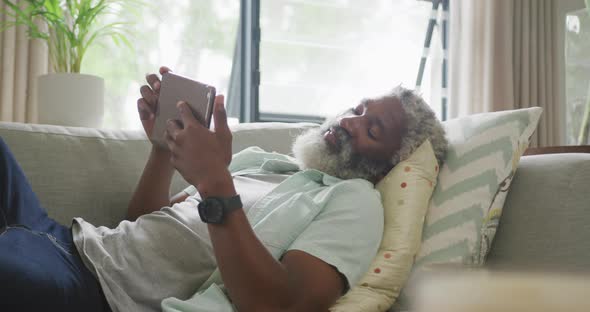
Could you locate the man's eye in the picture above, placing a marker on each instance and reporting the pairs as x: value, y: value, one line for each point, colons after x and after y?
x: 356, y: 111
x: 372, y: 135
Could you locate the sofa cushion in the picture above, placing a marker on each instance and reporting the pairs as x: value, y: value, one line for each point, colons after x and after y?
x: 546, y: 219
x: 79, y: 171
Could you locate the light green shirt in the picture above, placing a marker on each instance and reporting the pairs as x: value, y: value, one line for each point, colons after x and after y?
x: 337, y: 221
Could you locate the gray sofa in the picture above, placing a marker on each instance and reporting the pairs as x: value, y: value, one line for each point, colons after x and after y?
x: 92, y: 173
x: 545, y: 225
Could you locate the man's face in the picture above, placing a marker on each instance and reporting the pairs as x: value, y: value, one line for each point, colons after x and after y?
x: 357, y: 144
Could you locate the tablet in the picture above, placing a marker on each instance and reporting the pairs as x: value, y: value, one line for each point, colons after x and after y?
x: 199, y: 96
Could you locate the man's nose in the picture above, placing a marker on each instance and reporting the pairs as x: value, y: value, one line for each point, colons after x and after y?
x: 351, y: 124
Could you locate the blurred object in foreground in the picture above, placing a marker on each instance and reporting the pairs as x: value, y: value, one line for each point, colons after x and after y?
x: 488, y: 291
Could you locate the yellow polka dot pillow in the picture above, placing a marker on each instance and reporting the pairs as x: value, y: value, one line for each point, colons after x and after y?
x: 405, y: 193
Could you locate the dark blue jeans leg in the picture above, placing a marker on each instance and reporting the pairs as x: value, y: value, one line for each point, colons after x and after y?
x: 40, y: 269
x: 18, y: 203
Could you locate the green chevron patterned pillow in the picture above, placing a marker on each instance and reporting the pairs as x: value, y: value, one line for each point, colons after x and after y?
x: 484, y: 151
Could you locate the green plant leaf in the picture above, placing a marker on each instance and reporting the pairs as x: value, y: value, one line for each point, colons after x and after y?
x: 73, y: 26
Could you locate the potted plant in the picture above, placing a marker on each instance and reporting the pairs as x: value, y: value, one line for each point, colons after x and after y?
x: 69, y: 27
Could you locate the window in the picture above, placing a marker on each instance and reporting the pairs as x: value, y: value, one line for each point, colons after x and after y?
x: 319, y: 57
x: 316, y: 57
x: 577, y: 49
x: 193, y: 37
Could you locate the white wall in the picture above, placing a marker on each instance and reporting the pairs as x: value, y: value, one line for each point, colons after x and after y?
x: 561, y: 8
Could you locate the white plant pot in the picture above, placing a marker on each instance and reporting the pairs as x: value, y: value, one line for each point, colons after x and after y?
x: 71, y: 100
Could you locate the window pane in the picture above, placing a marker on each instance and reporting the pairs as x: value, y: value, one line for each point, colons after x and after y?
x: 318, y: 57
x: 195, y: 38
x: 577, y: 77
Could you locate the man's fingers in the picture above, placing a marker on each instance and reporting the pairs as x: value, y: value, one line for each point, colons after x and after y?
x: 149, y: 95
x: 187, y: 116
x: 164, y: 70
x: 145, y: 112
x: 172, y: 129
x: 172, y: 149
x: 170, y: 142
x: 220, y: 116
x: 154, y: 82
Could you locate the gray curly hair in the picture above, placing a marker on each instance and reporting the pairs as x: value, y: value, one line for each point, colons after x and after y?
x: 421, y: 124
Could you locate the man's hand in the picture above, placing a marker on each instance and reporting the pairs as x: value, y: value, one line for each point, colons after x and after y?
x: 199, y: 154
x: 147, y: 105
x: 152, y: 191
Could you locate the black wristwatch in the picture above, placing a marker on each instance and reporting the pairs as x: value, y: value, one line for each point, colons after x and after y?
x: 214, y: 209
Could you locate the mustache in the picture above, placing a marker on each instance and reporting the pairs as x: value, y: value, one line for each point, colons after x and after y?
x: 341, y: 133
x: 343, y: 138
x: 333, y: 125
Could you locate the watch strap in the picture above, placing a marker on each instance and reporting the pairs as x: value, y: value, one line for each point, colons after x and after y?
x: 231, y: 203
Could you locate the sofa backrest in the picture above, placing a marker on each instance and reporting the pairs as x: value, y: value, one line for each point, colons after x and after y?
x: 92, y: 173
x: 545, y: 224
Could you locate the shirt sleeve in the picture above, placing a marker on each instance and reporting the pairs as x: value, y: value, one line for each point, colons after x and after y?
x: 190, y: 190
x: 347, y: 233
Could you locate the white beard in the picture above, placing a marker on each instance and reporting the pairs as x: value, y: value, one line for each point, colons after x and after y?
x: 312, y: 152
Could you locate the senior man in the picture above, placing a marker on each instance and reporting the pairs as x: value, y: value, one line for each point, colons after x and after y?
x: 286, y: 233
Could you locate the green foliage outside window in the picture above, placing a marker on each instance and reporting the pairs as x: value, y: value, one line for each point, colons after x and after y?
x: 181, y: 34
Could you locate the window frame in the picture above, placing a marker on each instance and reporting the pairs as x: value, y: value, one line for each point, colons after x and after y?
x: 247, y: 65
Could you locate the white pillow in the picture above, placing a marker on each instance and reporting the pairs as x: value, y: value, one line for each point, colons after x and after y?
x: 405, y: 193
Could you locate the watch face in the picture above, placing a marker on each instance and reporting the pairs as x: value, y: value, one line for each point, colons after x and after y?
x: 211, y: 210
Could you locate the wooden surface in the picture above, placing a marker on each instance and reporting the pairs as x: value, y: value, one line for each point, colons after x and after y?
x: 557, y: 149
